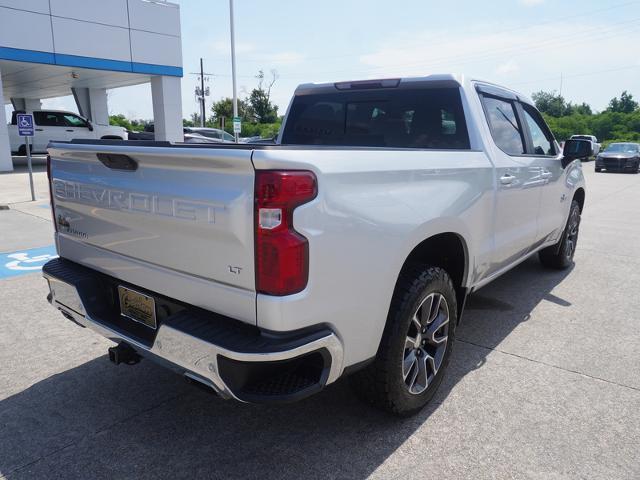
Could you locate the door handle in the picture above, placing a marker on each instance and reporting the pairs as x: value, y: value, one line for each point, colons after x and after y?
x: 39, y: 130
x: 546, y: 175
x: 507, y: 179
x: 70, y: 130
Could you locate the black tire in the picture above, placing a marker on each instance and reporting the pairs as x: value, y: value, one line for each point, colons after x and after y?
x: 383, y: 383
x: 560, y: 255
x: 22, y: 151
x: 598, y: 169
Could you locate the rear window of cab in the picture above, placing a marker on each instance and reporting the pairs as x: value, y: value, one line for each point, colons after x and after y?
x: 430, y: 118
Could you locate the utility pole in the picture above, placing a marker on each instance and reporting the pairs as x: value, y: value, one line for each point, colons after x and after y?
x: 202, y: 99
x: 560, y: 95
x: 233, y: 65
x: 202, y: 92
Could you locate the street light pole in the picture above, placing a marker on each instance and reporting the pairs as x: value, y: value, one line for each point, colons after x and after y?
x: 233, y: 65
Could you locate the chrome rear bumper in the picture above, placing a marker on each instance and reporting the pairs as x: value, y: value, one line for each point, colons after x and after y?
x: 186, y: 342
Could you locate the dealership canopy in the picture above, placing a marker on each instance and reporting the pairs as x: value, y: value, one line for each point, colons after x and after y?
x: 53, y: 48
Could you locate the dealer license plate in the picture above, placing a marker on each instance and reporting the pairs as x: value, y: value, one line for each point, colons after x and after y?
x: 137, y: 306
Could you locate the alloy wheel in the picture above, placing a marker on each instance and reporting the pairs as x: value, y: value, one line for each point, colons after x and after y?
x: 426, y: 343
x: 572, y: 233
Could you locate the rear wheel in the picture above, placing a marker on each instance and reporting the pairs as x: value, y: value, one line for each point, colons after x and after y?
x: 416, y: 344
x: 22, y: 150
x: 598, y: 169
x: 560, y: 256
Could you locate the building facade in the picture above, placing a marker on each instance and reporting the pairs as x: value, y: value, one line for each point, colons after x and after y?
x: 53, y: 48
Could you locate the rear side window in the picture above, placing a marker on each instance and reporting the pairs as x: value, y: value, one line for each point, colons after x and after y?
x: 48, y: 119
x: 420, y: 118
x: 505, y: 127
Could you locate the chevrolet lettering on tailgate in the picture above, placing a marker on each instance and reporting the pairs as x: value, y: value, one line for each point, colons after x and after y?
x: 134, y: 201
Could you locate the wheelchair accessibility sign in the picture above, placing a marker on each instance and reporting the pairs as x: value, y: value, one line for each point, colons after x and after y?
x: 25, y: 124
x: 25, y: 261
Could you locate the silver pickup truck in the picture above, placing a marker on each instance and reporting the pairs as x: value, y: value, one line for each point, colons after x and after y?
x: 268, y: 272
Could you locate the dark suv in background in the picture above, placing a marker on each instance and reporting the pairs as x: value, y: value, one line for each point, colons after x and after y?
x: 622, y: 157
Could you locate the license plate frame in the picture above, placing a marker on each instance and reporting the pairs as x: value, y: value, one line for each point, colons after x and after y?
x: 137, y: 306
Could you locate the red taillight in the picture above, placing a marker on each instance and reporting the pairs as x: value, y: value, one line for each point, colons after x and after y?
x: 282, y: 254
x: 53, y: 211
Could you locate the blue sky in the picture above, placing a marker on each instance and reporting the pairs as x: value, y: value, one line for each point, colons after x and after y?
x: 524, y: 44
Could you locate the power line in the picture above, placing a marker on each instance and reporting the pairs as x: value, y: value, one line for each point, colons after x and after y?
x: 591, y: 34
x: 576, y: 75
x: 526, y: 46
x: 555, y: 20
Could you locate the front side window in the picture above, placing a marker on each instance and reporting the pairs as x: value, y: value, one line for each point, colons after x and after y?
x: 504, y: 125
x: 431, y: 118
x: 71, y: 120
x: 543, y: 143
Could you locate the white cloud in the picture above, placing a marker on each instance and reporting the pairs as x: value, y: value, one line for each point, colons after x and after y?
x: 284, y: 58
x: 249, y: 52
x: 510, y: 66
x: 530, y: 59
x: 224, y: 47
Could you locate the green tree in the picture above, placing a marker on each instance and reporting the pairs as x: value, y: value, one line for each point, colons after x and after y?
x: 551, y: 104
x: 624, y: 104
x: 583, y: 109
x: 224, y: 108
x: 260, y: 104
x: 263, y: 110
x: 564, y: 127
x: 131, y: 125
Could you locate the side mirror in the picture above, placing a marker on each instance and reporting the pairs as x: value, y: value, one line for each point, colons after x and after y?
x: 574, y: 149
x: 89, y: 126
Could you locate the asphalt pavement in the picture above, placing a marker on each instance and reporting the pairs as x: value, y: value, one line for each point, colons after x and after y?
x: 544, y: 381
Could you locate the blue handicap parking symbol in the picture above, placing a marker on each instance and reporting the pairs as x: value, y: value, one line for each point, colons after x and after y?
x: 25, y: 261
x: 25, y: 125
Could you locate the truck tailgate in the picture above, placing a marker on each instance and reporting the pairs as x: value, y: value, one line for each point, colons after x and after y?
x: 187, y: 210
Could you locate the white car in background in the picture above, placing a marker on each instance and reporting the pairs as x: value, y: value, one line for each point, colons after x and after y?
x: 594, y: 142
x: 59, y: 125
x: 214, y: 134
